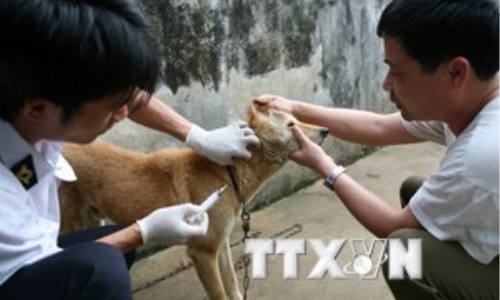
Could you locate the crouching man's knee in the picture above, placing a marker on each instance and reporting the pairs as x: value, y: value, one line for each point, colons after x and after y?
x: 405, y: 253
x: 404, y: 270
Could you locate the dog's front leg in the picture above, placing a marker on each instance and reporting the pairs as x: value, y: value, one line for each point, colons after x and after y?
x: 206, y: 265
x: 227, y: 272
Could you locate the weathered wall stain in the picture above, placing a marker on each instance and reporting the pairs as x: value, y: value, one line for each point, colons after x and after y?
x: 254, y: 37
x: 190, y: 42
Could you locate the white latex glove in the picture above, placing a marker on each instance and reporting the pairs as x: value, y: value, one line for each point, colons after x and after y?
x: 169, y: 225
x: 221, y: 145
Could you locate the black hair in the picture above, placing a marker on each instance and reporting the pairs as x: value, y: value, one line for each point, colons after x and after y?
x: 73, y: 51
x: 433, y: 31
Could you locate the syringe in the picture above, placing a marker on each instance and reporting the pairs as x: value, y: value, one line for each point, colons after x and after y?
x: 206, y: 205
x: 210, y: 201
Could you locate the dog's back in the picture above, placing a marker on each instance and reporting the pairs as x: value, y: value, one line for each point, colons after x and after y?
x: 126, y: 185
x: 122, y: 184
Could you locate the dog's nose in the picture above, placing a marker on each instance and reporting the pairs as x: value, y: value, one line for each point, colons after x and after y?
x: 324, y: 133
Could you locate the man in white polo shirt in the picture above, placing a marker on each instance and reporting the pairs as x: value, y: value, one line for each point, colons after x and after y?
x: 443, y: 78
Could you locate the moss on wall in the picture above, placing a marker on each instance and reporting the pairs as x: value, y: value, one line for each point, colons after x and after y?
x: 197, y: 39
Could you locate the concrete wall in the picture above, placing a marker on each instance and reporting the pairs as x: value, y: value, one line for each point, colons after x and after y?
x: 219, y: 54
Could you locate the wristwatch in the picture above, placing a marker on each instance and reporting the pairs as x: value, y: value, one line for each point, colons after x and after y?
x: 333, y: 176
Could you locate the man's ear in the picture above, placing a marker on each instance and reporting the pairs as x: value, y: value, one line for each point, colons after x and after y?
x: 459, y: 70
x: 38, y: 109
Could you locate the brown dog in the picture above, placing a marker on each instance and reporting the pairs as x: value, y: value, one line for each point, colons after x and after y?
x: 125, y: 186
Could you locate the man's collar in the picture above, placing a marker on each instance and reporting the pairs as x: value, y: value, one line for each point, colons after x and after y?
x: 21, y: 158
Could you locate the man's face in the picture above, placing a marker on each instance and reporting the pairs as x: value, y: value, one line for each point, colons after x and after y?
x: 89, y: 121
x: 417, y: 94
x: 94, y: 119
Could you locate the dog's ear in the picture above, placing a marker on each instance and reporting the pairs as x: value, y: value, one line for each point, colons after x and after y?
x: 255, y: 112
x: 260, y: 104
x: 251, y: 113
x: 264, y: 100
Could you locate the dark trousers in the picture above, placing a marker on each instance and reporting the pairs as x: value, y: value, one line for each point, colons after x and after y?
x: 83, y: 270
x: 448, y: 271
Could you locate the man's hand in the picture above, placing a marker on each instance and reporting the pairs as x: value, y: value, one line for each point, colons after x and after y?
x: 311, y: 155
x: 169, y: 225
x: 274, y: 101
x: 221, y: 145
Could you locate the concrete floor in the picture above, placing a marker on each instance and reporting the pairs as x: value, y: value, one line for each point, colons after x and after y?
x: 313, y: 212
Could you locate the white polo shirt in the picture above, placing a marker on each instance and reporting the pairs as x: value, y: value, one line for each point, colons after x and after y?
x: 29, y: 213
x: 459, y: 201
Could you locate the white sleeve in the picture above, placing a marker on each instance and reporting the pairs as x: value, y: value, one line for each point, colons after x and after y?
x: 433, y: 131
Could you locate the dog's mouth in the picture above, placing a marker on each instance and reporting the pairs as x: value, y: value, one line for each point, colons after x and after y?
x: 318, y: 137
x: 323, y: 133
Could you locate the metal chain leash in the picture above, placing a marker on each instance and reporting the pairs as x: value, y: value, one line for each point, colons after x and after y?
x: 245, y: 224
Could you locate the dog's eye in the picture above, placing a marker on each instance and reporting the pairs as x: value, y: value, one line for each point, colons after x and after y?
x: 291, y: 124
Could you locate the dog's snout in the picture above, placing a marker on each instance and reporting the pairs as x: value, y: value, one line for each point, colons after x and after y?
x: 324, y: 133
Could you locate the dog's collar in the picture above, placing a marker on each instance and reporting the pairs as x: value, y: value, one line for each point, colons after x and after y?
x: 245, y: 215
x: 235, y: 185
